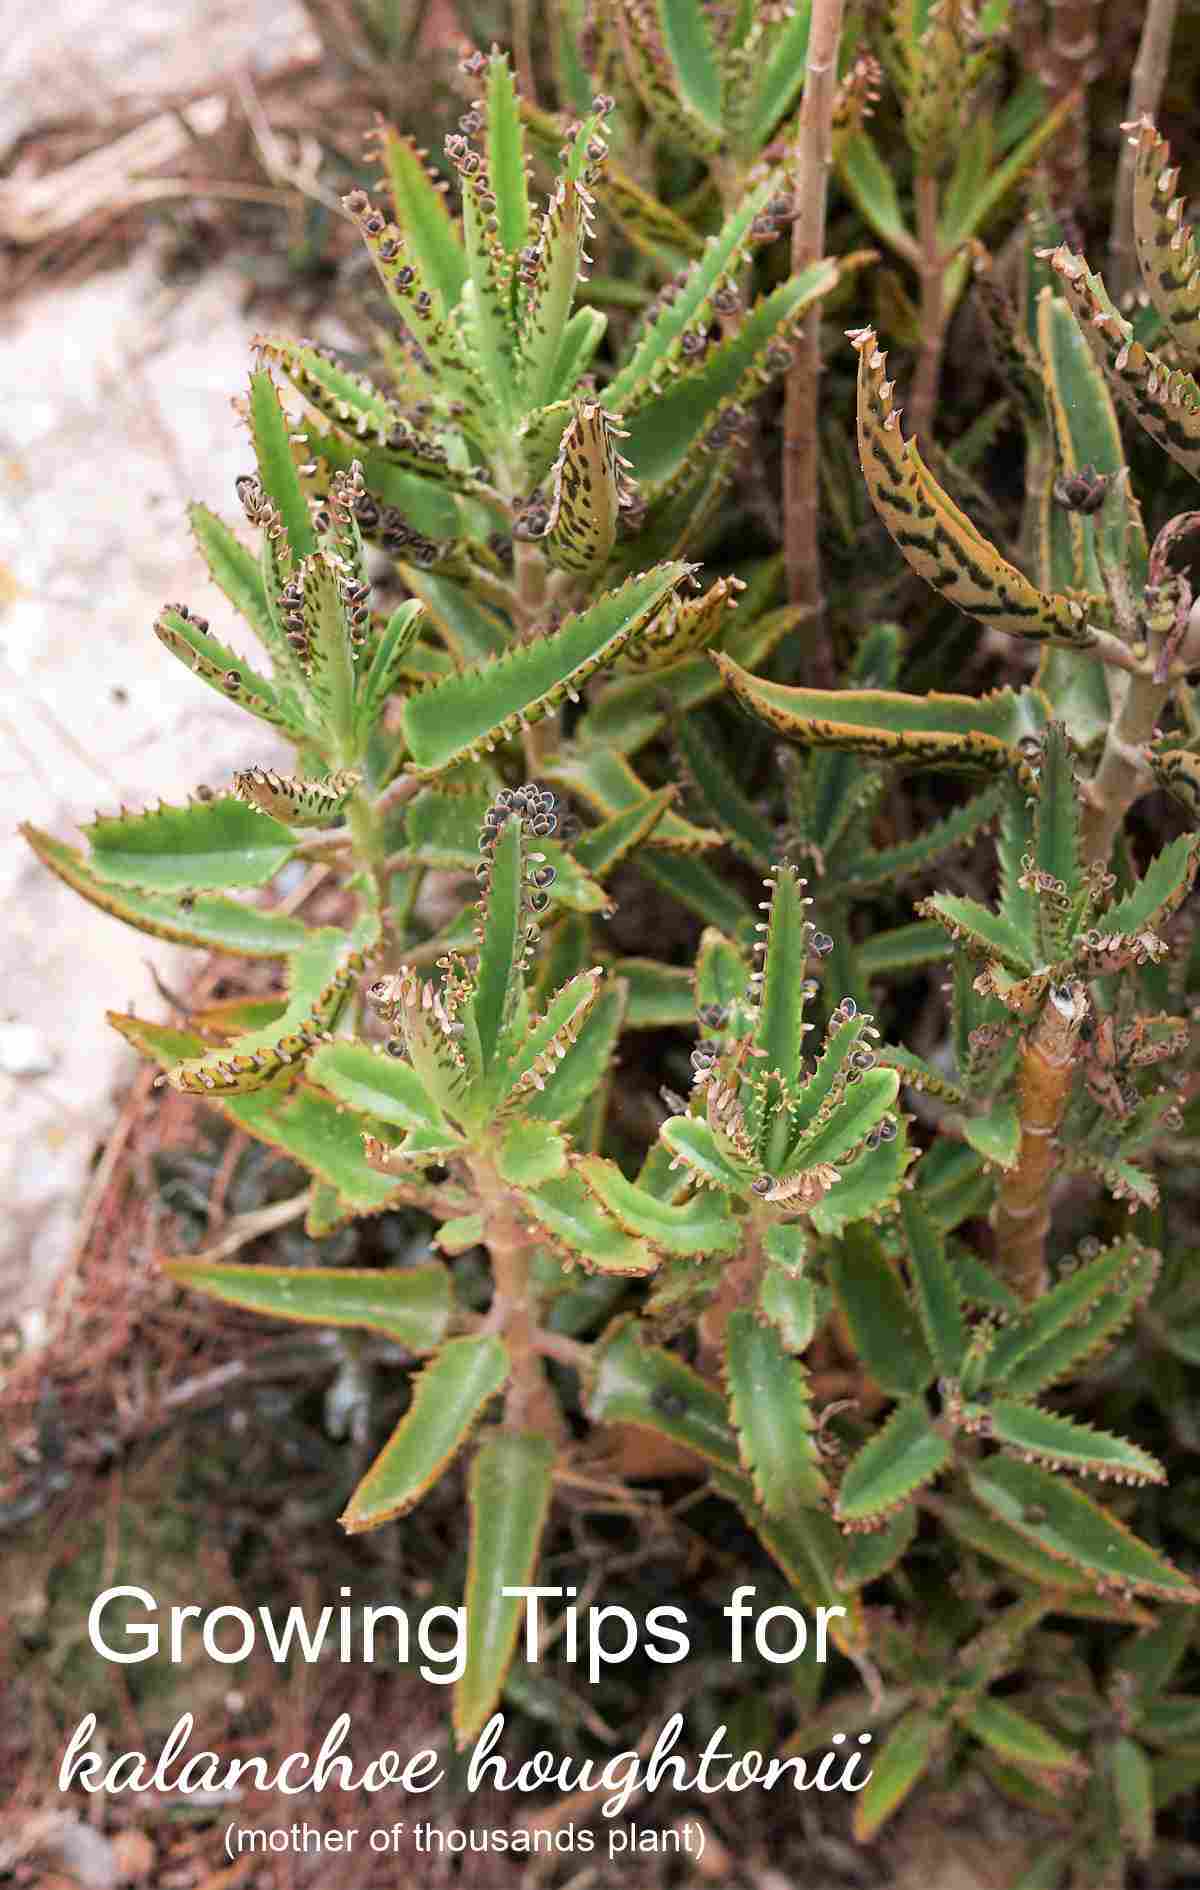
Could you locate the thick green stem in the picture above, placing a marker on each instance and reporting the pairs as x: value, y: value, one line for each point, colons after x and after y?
x: 366, y: 833
x: 530, y: 1404
x: 801, y: 423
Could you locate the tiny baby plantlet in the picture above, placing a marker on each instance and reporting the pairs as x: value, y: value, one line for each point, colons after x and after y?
x: 902, y: 1274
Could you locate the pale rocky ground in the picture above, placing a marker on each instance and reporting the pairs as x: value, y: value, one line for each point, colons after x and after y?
x: 114, y: 412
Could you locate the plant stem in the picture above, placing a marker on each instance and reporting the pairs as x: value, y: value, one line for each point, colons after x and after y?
x: 1145, y: 95
x: 801, y: 434
x: 738, y: 1281
x: 1121, y: 775
x: 1022, y: 1214
x: 931, y: 268
x: 366, y: 832
x: 540, y: 739
x: 530, y: 1404
x: 1067, y: 64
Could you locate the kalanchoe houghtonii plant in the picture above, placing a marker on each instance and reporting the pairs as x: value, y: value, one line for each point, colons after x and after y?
x: 560, y: 761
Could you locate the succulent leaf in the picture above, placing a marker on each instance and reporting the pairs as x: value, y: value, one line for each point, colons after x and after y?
x: 448, y: 1398
x: 936, y: 538
x: 508, y: 1499
x: 772, y: 1412
x: 467, y: 714
x: 411, y: 1307
x: 1069, y: 1526
x: 906, y: 1454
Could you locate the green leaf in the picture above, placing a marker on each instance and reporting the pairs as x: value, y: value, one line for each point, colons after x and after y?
x: 270, y: 430
x: 207, y: 845
x: 658, y: 80
x: 905, y: 1756
x: 588, y: 1061
x: 421, y: 212
x: 939, y: 1302
x: 605, y: 782
x: 1087, y: 434
x: 235, y: 571
x: 320, y: 1135
x: 1164, y: 400
x: 937, y: 539
x: 472, y: 631
x: 586, y: 491
x: 214, y: 924
x: 790, y: 1304
x: 1063, y: 1444
x: 578, y: 1222
x: 1067, y: 1524
x: 652, y: 1388
x: 508, y: 1497
x: 693, y: 1142
x: 1006, y: 1546
x: 382, y: 674
x: 660, y: 996
x: 321, y: 976
x: 779, y: 1032
x: 551, y: 288
x: 723, y: 800
x: 999, y: 1726
x: 904, y: 948
x: 410, y: 1305
x: 882, y: 1323
x: 501, y: 938
x: 1165, y: 240
x: 459, y: 718
x: 506, y: 154
x: 1056, y: 826
x: 870, y: 1554
x: 772, y: 1411
x: 1063, y: 1306
x: 226, y: 672
x: 932, y: 731
x: 872, y: 187
x: 664, y: 431
x: 702, y: 1225
x: 530, y: 1154
x: 1133, y: 1788
x: 688, y: 37
x: 1003, y: 177
x: 658, y: 344
x: 537, y: 1059
x: 997, y: 1136
x: 985, y: 933
x: 780, y: 78
x: 694, y: 883
x: 867, y: 1185
x: 447, y: 1400
x: 1160, y: 891
x: 885, y: 866
x: 375, y: 1083
x: 901, y: 1458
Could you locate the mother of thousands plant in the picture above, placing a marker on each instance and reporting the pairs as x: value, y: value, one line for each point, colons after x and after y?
x: 478, y: 592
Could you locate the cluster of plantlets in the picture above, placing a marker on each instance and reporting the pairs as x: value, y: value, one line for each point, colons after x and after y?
x: 479, y: 592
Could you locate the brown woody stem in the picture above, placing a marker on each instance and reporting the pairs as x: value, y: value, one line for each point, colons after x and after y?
x: 1022, y: 1214
x: 931, y: 266
x: 530, y: 1404
x: 801, y: 437
x: 1068, y: 64
x: 1145, y: 94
